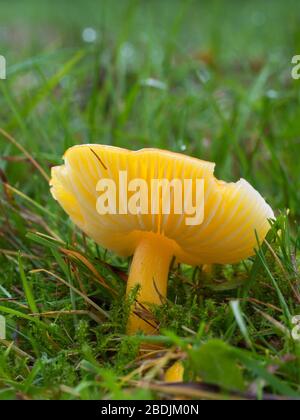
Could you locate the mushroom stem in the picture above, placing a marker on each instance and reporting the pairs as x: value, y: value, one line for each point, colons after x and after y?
x: 150, y: 269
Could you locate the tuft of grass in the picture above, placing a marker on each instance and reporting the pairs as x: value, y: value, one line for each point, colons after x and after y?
x: 172, y: 75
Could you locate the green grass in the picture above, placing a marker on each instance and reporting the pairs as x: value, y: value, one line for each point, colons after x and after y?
x: 223, y: 92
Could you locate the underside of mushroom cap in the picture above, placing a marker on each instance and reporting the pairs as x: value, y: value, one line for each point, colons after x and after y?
x: 234, y: 213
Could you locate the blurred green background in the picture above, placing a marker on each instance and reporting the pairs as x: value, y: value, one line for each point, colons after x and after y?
x: 207, y: 78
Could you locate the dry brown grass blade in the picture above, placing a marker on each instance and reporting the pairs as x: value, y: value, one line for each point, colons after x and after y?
x: 19, y: 352
x: 31, y: 217
x: 274, y: 322
x: 202, y: 391
x: 277, y: 259
x: 98, y: 158
x: 151, y: 364
x: 259, y: 302
x: 4, y: 181
x: 86, y: 298
x: 57, y: 314
x: 15, y: 254
x: 189, y: 391
x: 89, y: 265
x: 26, y: 153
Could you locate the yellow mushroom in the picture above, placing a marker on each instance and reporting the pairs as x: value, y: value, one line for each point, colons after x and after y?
x: 174, y: 373
x: 225, y: 233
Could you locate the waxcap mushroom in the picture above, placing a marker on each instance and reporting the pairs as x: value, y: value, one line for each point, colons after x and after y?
x: 235, y: 215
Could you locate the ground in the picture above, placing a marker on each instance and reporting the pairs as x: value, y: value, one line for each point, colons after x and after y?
x: 211, y: 79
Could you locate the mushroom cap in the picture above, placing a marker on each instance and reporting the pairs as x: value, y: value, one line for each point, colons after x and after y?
x: 235, y: 214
